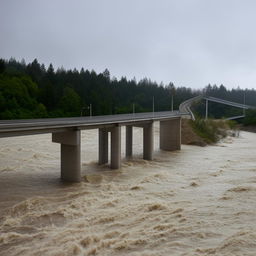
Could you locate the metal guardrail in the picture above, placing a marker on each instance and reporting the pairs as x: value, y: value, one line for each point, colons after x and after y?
x: 229, y: 103
x: 235, y: 117
x: 185, y: 106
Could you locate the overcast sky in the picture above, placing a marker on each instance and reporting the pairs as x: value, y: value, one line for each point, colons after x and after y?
x: 189, y: 42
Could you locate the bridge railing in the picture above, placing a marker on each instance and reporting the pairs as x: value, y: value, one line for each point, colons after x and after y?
x: 229, y: 103
x: 185, y: 106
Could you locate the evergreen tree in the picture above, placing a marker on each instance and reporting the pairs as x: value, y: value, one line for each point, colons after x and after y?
x: 2, y: 66
x: 31, y: 91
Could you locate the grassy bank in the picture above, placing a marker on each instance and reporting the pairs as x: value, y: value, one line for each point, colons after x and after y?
x: 211, y: 131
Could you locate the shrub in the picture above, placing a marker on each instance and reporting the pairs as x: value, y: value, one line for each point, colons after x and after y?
x: 211, y: 130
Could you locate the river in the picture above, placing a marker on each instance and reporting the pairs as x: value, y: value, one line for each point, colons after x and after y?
x: 197, y: 201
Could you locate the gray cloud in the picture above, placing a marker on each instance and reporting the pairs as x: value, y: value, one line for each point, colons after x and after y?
x: 189, y: 42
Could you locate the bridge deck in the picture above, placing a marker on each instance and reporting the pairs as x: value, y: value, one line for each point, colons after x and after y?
x: 10, y: 128
x: 229, y: 103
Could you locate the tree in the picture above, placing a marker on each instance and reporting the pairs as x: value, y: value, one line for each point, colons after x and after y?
x: 31, y: 90
x: 2, y: 66
x: 40, y: 111
x: 50, y: 69
x: 70, y: 103
x: 106, y: 74
x: 171, y: 89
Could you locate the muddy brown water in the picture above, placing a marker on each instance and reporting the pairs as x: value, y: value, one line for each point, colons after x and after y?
x: 197, y: 201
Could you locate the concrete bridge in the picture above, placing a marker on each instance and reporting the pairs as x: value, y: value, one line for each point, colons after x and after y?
x: 185, y: 107
x: 67, y: 132
x: 228, y: 103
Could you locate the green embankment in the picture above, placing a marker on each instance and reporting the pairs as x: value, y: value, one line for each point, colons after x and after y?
x: 211, y: 131
x: 250, y: 117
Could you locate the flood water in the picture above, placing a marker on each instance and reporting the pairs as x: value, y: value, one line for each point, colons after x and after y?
x: 197, y: 201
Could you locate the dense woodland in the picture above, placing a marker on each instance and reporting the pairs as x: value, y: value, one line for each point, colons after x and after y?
x: 35, y: 91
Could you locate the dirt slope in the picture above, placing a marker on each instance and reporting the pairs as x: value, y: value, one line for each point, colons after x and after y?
x: 188, y: 136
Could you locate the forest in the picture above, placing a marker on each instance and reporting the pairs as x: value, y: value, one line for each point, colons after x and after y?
x: 35, y: 91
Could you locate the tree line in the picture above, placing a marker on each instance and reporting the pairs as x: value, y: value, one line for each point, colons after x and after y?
x: 35, y: 91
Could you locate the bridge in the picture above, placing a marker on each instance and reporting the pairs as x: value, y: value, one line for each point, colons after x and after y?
x: 185, y: 107
x: 229, y: 103
x: 67, y: 132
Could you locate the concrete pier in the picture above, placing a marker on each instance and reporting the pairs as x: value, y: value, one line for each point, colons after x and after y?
x: 170, y: 139
x: 148, y: 141
x: 115, y: 147
x: 170, y: 134
x: 129, y: 139
x: 70, y: 154
x: 103, y: 146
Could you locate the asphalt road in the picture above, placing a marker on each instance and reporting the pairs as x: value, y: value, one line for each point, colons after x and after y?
x: 37, y: 126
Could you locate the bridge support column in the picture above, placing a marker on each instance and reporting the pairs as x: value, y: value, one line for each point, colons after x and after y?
x: 103, y: 146
x: 115, y: 147
x: 148, y: 141
x: 128, y: 138
x: 70, y: 154
x: 170, y: 134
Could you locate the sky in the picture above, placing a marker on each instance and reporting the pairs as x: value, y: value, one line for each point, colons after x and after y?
x: 188, y: 42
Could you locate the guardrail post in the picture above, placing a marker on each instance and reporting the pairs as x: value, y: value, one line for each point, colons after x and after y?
x: 115, y: 147
x: 170, y: 134
x: 70, y: 154
x: 129, y: 138
x: 148, y: 141
x: 103, y: 146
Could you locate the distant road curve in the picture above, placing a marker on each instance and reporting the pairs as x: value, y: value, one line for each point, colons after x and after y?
x: 184, y: 107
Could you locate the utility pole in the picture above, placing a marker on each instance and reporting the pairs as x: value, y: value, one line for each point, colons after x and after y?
x: 133, y: 108
x: 90, y: 107
x: 153, y: 105
x: 206, y: 109
x: 244, y: 105
x: 172, y: 102
x: 171, y: 88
